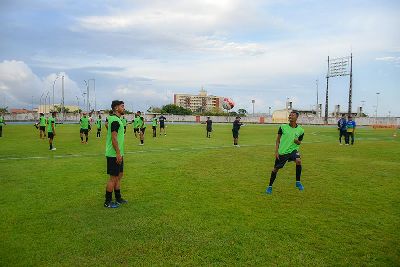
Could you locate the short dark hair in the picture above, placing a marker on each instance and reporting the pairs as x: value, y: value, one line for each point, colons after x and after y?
x: 116, y: 103
x: 237, y: 117
x: 295, y: 112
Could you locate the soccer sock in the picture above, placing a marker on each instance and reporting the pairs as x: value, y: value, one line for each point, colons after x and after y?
x: 272, y: 179
x: 51, y: 145
x: 141, y: 141
x: 298, y: 172
x: 87, y: 138
x: 81, y: 138
x: 117, y: 193
x: 108, y: 196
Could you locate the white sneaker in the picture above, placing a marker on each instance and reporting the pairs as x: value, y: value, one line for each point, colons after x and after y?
x: 141, y: 144
x: 341, y: 144
x: 53, y: 149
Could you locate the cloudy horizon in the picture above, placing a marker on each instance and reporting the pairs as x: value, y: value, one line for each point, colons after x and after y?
x: 145, y: 51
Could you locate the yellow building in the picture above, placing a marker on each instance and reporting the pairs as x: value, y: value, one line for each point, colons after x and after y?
x: 200, y: 102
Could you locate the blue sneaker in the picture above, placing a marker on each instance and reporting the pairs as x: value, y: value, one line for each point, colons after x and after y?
x: 110, y: 205
x: 299, y: 186
x: 269, y: 190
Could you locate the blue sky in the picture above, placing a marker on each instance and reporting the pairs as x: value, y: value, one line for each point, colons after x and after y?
x: 144, y: 51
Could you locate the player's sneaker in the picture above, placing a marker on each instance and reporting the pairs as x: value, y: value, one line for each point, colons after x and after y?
x: 141, y: 144
x: 299, y: 186
x: 269, y: 190
x: 121, y: 201
x: 110, y: 205
x: 53, y: 149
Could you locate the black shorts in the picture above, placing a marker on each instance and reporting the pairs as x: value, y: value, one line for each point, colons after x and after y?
x: 209, y: 129
x: 42, y: 128
x: 50, y: 135
x: 154, y: 127
x: 84, y: 131
x: 143, y: 130
x: 162, y: 126
x: 113, y: 168
x: 99, y: 129
x: 235, y: 133
x: 125, y: 128
x: 135, y: 130
x: 279, y: 163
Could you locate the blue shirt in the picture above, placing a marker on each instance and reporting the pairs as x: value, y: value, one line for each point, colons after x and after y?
x: 342, y: 123
x: 351, y: 125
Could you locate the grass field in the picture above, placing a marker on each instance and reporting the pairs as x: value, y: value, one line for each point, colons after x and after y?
x: 197, y: 201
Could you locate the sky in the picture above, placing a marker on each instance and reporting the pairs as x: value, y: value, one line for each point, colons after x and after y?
x: 144, y: 51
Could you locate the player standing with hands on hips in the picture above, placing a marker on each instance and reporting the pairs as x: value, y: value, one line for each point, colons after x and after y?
x: 115, y: 154
x: 287, y: 146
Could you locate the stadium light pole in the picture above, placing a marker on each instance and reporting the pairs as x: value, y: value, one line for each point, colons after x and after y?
x: 269, y: 111
x: 87, y: 95
x: 377, y: 101
x: 54, y: 83
x: 40, y: 102
x: 94, y: 92
x: 253, y: 101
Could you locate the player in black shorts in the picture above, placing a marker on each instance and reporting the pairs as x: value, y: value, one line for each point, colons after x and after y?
x: 209, y: 127
x: 162, y: 120
x: 142, y: 127
x: 235, y: 131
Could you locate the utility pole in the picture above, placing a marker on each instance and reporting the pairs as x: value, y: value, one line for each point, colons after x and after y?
x: 317, y: 107
x: 351, y: 84
x: 253, y: 101
x: 62, y: 99
x: 326, y: 96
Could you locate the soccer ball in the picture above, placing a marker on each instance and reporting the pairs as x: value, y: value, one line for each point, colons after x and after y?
x: 228, y: 104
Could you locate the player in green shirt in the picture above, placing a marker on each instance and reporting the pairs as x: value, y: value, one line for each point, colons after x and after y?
x: 154, y: 125
x: 84, y: 130
x: 136, y: 124
x: 115, y: 154
x: 2, y: 123
x: 51, y: 129
x: 287, y: 149
x: 142, y: 127
x: 98, y: 125
x: 124, y: 122
x: 42, y: 126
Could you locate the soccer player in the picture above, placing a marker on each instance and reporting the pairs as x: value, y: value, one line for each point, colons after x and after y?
x: 162, y: 120
x: 2, y: 123
x: 342, y: 127
x: 115, y: 154
x: 98, y: 125
x: 209, y: 127
x: 42, y: 126
x: 84, y: 122
x: 351, y: 127
x: 154, y: 125
x: 287, y: 149
x: 124, y: 122
x: 136, y: 124
x: 235, y: 131
x: 51, y: 129
x: 142, y: 127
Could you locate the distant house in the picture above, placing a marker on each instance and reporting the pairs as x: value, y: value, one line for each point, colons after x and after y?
x: 20, y: 111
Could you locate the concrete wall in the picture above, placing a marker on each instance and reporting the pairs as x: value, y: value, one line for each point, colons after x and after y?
x: 218, y: 119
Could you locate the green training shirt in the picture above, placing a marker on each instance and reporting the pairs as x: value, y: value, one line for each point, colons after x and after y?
x: 51, y: 121
x: 142, y: 123
x: 84, y: 123
x: 288, y: 134
x: 118, y: 126
x: 136, y: 122
x: 154, y: 122
x: 124, y: 121
x: 98, y: 123
x: 1, y: 121
x: 42, y: 121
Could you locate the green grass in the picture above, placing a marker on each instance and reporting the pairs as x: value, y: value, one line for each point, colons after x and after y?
x: 197, y: 201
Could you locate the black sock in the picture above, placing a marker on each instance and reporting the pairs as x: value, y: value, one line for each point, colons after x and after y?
x: 87, y: 138
x: 81, y: 138
x: 108, y: 196
x: 298, y: 172
x: 272, y: 179
x: 51, y: 145
x: 141, y: 141
x: 117, y: 194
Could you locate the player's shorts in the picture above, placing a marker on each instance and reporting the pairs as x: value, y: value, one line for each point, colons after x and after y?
x: 209, y: 129
x: 42, y: 128
x: 162, y: 126
x: 235, y: 134
x: 84, y: 131
x: 113, y: 168
x: 143, y: 130
x: 135, y: 130
x: 279, y: 163
x: 154, y: 127
x: 99, y: 129
x: 125, y: 128
x: 50, y: 135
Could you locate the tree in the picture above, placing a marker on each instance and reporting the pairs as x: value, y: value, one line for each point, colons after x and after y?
x: 242, y: 112
x: 176, y: 110
x: 3, y: 110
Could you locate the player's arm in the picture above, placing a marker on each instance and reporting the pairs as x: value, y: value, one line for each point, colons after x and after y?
x: 114, y: 133
x: 277, y: 142
x: 54, y: 128
x: 106, y: 124
x: 298, y: 140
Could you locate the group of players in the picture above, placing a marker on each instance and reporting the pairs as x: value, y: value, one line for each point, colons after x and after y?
x: 347, y: 129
